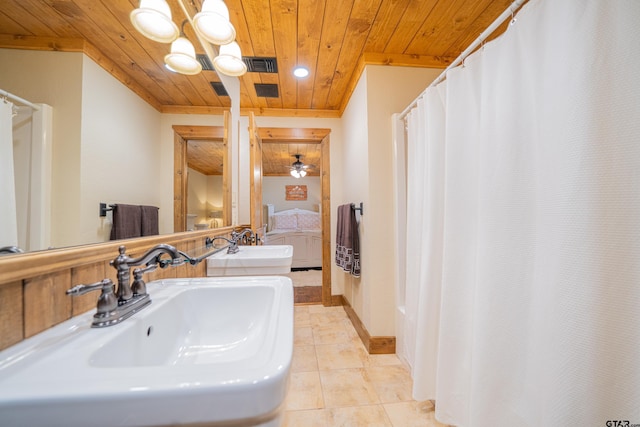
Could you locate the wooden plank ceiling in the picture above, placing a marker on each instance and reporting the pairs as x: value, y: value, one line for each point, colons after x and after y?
x: 334, y: 39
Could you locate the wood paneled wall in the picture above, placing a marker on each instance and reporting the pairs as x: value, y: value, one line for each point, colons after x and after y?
x: 33, y: 285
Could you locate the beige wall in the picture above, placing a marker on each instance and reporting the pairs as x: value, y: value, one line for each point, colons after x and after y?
x: 120, y: 162
x: 273, y: 192
x: 355, y: 170
x: 381, y: 91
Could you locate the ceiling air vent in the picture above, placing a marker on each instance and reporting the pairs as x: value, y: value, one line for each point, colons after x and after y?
x: 219, y: 88
x: 257, y: 64
x: 266, y: 90
x: 204, y: 61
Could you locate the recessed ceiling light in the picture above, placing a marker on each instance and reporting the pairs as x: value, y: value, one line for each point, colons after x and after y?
x: 300, y: 72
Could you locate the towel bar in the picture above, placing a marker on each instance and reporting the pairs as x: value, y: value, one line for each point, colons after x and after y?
x: 104, y: 209
x: 353, y: 206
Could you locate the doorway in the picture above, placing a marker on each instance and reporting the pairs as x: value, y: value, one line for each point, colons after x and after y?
x: 320, y: 138
x: 183, y: 136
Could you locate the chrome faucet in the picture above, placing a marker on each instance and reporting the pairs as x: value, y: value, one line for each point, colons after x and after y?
x: 232, y: 247
x: 246, y: 234
x: 151, y: 258
x: 129, y: 299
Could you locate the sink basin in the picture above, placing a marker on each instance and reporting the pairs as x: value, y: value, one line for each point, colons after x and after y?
x: 251, y: 260
x: 214, y: 351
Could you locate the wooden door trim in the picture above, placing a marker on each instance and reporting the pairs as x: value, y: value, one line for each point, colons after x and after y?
x: 313, y: 136
x: 181, y: 134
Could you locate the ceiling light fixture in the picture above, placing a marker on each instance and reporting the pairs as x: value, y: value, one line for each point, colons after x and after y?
x: 298, y: 168
x: 229, y: 60
x: 213, y: 24
x: 300, y: 72
x: 153, y: 20
x: 182, y: 58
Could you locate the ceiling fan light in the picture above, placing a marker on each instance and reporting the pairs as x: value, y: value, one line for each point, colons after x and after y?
x: 303, y: 173
x: 153, y: 20
x: 213, y: 24
x: 295, y: 173
x: 182, y: 58
x: 229, y: 60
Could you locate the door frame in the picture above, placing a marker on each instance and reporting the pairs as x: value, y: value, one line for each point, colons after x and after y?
x: 182, y: 134
x: 311, y: 136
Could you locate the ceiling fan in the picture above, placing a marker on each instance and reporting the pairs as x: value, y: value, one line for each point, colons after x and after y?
x: 299, y: 169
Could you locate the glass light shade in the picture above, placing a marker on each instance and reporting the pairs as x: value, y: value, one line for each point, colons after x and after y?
x: 182, y: 58
x: 298, y: 173
x: 229, y: 60
x: 213, y: 24
x: 153, y: 20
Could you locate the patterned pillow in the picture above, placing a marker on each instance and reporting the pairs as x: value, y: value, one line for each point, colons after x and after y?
x: 308, y: 221
x: 285, y: 222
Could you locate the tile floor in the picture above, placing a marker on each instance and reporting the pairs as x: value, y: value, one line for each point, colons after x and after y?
x: 335, y: 382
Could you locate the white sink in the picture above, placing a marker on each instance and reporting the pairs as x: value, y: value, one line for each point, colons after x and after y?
x: 207, y: 350
x: 251, y: 260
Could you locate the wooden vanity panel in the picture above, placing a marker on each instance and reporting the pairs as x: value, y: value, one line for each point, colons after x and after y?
x: 11, y: 321
x: 45, y: 302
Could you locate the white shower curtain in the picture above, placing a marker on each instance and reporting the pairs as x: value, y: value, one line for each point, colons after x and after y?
x: 8, y: 223
x: 527, y: 271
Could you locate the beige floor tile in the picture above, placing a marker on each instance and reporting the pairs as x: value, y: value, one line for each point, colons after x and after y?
x: 303, y: 336
x: 392, y: 383
x: 340, y: 356
x: 304, y: 359
x: 347, y: 387
x: 301, y: 317
x: 412, y: 414
x: 305, y: 391
x: 319, y: 308
x: 359, y: 416
x: 330, y: 334
x: 382, y: 360
x: 325, y: 320
x: 311, y: 418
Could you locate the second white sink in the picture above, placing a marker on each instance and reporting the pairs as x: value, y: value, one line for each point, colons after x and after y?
x: 251, y: 261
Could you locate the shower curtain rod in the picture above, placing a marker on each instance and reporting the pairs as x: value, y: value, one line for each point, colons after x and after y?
x: 477, y: 42
x: 5, y: 94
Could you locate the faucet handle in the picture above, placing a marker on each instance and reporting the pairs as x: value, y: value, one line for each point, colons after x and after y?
x: 107, y: 301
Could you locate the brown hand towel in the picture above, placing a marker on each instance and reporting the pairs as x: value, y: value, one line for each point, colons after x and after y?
x: 149, y: 225
x: 348, y: 241
x: 126, y: 222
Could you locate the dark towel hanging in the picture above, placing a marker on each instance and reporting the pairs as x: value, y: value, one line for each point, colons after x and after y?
x: 127, y: 221
x: 149, y: 223
x: 348, y: 241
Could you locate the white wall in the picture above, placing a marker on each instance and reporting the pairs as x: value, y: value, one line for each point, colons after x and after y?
x: 273, y: 192
x: 355, y: 154
x: 119, y: 151
x: 381, y: 91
